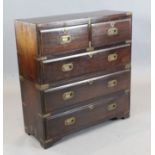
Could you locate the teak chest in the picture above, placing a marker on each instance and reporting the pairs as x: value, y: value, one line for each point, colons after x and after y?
x: 74, y: 71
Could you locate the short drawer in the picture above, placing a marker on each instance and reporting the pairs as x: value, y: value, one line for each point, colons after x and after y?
x: 116, y: 105
x: 104, y: 60
x: 73, y: 93
x: 107, y: 33
x: 64, y: 40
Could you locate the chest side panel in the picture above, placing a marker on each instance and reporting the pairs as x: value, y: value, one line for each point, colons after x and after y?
x: 26, y: 41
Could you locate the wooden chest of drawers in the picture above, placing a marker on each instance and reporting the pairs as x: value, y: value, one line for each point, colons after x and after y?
x: 74, y: 71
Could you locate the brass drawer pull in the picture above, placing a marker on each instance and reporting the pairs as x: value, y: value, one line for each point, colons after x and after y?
x: 112, y: 106
x: 112, y: 31
x: 67, y: 67
x: 68, y: 95
x: 70, y: 121
x: 65, y: 39
x: 112, y: 83
x: 112, y: 57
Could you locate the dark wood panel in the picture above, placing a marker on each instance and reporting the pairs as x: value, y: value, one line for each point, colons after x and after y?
x: 75, y: 119
x: 100, y: 35
x: 83, y: 65
x: 54, y: 99
x: 51, y: 40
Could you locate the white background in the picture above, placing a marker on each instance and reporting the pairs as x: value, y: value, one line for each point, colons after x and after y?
x: 128, y: 137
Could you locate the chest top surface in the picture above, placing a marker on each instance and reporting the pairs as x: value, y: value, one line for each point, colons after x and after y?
x: 78, y: 16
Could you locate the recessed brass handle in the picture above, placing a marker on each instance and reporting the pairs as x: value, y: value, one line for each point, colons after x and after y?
x: 67, y: 67
x: 112, y: 57
x: 65, y: 39
x: 68, y: 95
x: 70, y: 121
x: 112, y: 106
x: 112, y: 31
x: 112, y: 83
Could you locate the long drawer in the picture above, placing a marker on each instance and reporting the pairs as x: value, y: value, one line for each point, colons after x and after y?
x: 105, y: 60
x: 97, y: 111
x: 71, y: 94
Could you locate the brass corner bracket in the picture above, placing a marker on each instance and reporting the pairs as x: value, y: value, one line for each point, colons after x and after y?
x: 42, y: 86
x: 128, y: 66
x: 128, y: 41
x: 41, y: 58
x: 46, y: 141
x: 21, y: 77
x: 129, y: 13
x: 44, y: 115
x: 127, y: 91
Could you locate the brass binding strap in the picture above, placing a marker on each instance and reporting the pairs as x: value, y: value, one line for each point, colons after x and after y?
x: 90, y: 48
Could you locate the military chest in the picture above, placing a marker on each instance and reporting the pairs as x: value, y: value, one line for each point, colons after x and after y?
x: 74, y: 71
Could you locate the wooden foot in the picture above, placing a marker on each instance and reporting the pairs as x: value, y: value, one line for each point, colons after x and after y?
x: 125, y: 116
x: 27, y: 132
x: 113, y: 119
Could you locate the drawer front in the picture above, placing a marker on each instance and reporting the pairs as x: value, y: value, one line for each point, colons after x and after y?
x: 71, y: 94
x: 111, y: 32
x: 67, y: 39
x: 105, y: 60
x: 82, y: 117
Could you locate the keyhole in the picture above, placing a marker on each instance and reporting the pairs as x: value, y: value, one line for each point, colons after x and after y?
x: 114, y: 82
x: 70, y: 66
x: 114, y: 105
x: 68, y: 38
x: 71, y: 94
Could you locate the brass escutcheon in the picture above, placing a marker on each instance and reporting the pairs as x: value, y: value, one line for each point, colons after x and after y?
x: 112, y: 57
x: 65, y: 39
x: 91, y: 107
x: 70, y: 121
x: 67, y: 67
x: 68, y: 95
x: 112, y: 31
x: 91, y: 82
x: 112, y: 83
x: 112, y: 106
x: 90, y: 55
